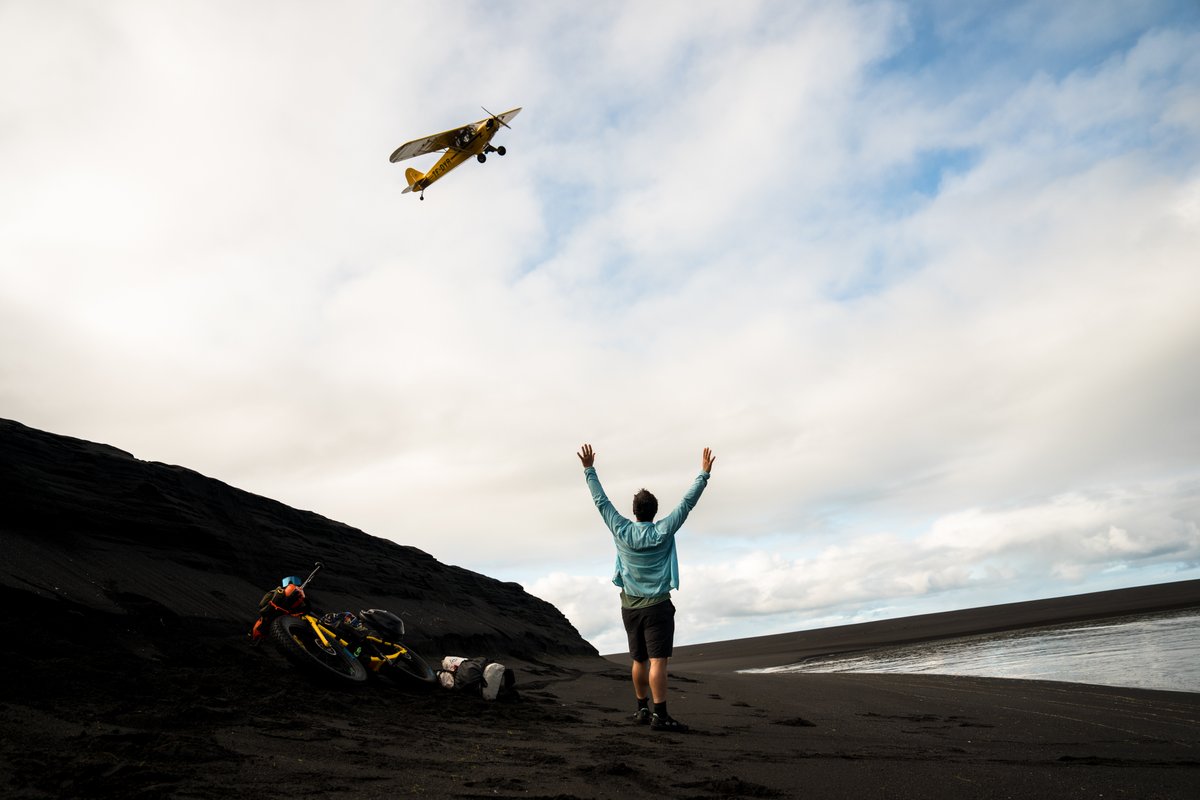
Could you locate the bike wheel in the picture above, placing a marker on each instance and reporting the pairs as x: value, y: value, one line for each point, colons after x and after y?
x: 402, y: 662
x: 298, y: 641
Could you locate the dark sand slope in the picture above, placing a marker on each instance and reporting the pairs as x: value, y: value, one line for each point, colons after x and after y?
x: 91, y: 526
x: 124, y: 673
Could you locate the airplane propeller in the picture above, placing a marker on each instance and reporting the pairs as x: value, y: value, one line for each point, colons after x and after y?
x: 493, y: 116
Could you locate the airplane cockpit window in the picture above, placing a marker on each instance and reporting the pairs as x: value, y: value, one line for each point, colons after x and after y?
x: 465, y: 136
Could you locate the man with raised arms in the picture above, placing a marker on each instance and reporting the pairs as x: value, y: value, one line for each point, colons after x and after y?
x: 647, y: 569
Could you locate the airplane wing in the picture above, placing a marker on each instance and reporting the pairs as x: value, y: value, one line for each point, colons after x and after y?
x: 426, y: 144
x: 443, y: 140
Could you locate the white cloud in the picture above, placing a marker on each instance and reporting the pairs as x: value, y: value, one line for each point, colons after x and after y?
x: 590, y: 603
x: 965, y: 558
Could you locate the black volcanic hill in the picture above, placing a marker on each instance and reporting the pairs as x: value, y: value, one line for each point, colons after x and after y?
x: 91, y: 531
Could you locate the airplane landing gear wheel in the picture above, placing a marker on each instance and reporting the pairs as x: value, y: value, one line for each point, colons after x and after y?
x: 501, y: 150
x: 482, y: 158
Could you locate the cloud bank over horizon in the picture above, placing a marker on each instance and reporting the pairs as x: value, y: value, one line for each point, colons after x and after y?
x: 923, y: 277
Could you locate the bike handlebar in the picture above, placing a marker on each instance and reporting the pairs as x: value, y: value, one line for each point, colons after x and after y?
x: 316, y: 569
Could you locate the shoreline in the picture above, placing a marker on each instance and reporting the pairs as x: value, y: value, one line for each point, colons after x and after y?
x: 782, y: 649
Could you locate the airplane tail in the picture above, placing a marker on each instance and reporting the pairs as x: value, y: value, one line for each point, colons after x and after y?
x: 412, y: 176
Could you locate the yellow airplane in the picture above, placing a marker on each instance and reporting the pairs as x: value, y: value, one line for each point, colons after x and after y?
x: 459, y: 144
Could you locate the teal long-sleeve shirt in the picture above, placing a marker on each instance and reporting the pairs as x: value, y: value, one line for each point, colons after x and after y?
x: 647, y: 562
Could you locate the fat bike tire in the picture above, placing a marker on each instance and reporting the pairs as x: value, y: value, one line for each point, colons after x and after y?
x: 408, y: 667
x: 296, y: 639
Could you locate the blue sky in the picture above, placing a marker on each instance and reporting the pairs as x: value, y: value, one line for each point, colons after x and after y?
x: 924, y: 277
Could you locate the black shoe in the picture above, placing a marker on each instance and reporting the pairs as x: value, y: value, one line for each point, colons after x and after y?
x: 642, y: 717
x: 665, y: 723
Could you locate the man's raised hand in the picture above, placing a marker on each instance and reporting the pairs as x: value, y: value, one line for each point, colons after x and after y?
x: 587, y: 456
x: 706, y: 461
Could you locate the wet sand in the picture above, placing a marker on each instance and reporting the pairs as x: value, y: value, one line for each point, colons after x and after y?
x: 790, y: 648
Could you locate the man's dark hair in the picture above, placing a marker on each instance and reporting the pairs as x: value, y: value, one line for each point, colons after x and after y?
x: 645, y: 506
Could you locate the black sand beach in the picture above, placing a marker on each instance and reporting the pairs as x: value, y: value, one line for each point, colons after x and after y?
x: 125, y: 673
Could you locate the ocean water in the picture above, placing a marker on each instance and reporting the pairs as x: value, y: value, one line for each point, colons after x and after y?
x: 1146, y: 651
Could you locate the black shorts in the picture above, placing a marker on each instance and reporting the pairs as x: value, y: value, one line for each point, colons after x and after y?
x: 651, y: 630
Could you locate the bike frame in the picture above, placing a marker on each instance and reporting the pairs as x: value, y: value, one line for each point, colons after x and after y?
x: 329, y: 640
